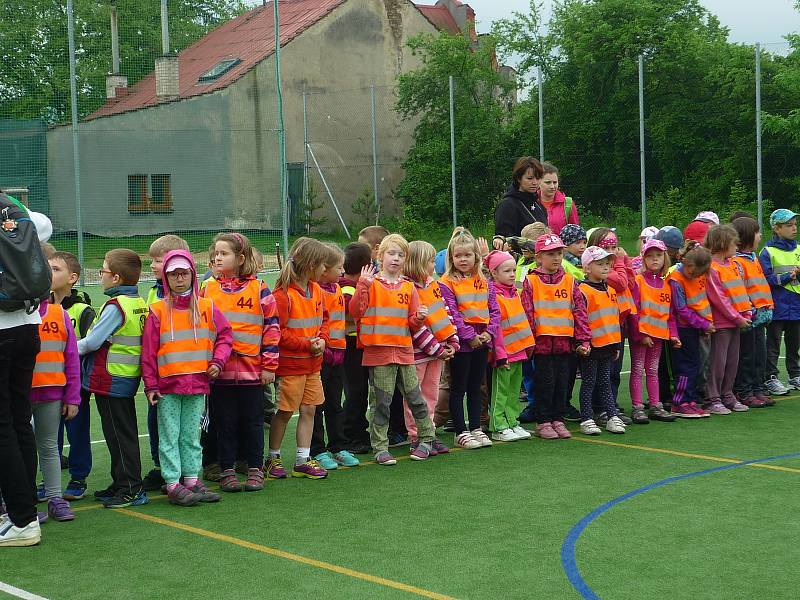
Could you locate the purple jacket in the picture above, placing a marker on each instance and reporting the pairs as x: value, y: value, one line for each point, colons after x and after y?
x: 465, y: 331
x: 71, y: 392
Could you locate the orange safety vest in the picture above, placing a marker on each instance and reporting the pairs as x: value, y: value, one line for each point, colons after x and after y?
x: 243, y: 311
x: 517, y: 334
x: 305, y: 316
x: 438, y: 319
x: 755, y: 282
x: 695, y: 292
x: 654, y: 304
x: 334, y: 303
x: 184, y: 348
x: 385, y: 322
x: 350, y: 327
x: 625, y: 302
x: 50, y: 362
x: 472, y: 296
x: 552, y: 306
x: 731, y: 280
x: 603, y: 308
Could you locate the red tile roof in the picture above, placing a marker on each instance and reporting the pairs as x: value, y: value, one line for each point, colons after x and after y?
x: 440, y: 17
x: 249, y: 37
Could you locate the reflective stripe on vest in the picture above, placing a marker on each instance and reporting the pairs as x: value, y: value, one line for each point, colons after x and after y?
x: 305, y: 317
x: 184, y: 348
x: 349, y: 323
x: 334, y: 302
x: 472, y: 298
x: 125, y: 353
x: 784, y: 262
x: 552, y: 306
x: 731, y: 281
x: 517, y: 334
x: 385, y: 322
x: 438, y: 320
x: 626, y: 303
x: 522, y: 272
x: 654, y: 306
x: 695, y: 292
x: 243, y: 311
x: 50, y: 362
x: 75, y: 313
x: 603, y: 310
x: 754, y: 282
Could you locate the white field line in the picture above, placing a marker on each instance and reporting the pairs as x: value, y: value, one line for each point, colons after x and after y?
x: 18, y: 593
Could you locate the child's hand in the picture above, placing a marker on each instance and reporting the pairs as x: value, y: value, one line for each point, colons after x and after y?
x: 69, y: 411
x: 448, y: 353
x: 475, y: 343
x: 153, y: 398
x: 212, y: 371
x: 485, y: 337
x: 745, y: 324
x: 368, y: 273
x: 620, y: 252
x: 647, y: 341
x: 317, y: 346
x: 583, y: 350
x: 422, y: 312
x: 498, y: 242
x: 483, y: 247
x: 676, y: 342
x: 267, y: 377
x: 711, y: 330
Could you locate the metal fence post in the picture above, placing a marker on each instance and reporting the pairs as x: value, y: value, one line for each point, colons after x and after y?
x: 281, y: 133
x: 759, y: 179
x: 305, y: 150
x: 76, y: 157
x: 375, y: 155
x: 541, y: 112
x: 641, y: 141
x: 453, y: 150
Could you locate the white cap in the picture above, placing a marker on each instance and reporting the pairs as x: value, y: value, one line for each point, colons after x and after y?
x: 44, y: 228
x: 649, y: 232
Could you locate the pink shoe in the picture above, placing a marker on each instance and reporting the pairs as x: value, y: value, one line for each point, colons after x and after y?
x: 545, y: 431
x: 561, y: 430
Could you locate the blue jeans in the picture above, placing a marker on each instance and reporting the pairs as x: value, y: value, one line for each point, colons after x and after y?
x: 527, y: 382
x: 80, y: 446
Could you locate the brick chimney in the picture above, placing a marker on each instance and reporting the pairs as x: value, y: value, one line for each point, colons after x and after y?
x: 167, y: 72
x: 116, y: 84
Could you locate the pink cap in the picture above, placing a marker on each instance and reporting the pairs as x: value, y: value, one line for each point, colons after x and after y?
x: 651, y: 244
x: 178, y: 262
x: 593, y: 253
x: 708, y: 216
x: 548, y: 241
x: 495, y: 258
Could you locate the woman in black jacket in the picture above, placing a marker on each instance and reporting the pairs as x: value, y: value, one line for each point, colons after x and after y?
x: 520, y: 206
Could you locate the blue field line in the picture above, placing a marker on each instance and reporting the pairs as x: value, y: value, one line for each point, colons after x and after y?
x: 568, y: 558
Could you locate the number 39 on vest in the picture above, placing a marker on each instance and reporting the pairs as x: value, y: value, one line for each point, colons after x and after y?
x: 184, y: 348
x: 385, y: 322
x: 49, y: 370
x: 243, y: 311
x: 472, y: 297
x: 552, y: 306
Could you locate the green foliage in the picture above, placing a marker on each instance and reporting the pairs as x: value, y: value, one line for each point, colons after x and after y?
x: 363, y: 210
x: 309, y: 206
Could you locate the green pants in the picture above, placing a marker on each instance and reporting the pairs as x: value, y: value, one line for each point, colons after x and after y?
x: 505, y: 408
x: 383, y: 380
x: 179, y: 435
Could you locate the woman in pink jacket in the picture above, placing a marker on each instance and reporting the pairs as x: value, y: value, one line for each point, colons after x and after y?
x: 554, y: 200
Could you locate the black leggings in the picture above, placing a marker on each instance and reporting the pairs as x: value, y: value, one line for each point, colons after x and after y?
x: 467, y: 373
x: 550, y: 386
x: 596, y: 382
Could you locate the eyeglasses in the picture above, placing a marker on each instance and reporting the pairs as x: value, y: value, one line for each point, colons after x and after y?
x: 104, y: 271
x: 178, y: 274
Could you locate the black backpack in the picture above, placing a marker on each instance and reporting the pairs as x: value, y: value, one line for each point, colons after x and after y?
x: 25, y: 276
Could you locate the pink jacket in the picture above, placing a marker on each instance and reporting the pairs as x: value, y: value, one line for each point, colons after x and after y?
x: 556, y: 219
x: 71, y: 392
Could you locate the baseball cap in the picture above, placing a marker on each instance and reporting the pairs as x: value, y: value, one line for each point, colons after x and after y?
x: 548, y: 241
x: 780, y: 216
x: 707, y: 216
x: 178, y: 262
x: 696, y: 230
x: 439, y: 263
x: 593, y: 253
x: 44, y: 228
x: 671, y: 236
x: 651, y: 244
x: 649, y: 232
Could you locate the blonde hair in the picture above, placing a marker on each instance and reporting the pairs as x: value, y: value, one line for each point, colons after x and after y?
x: 462, y: 237
x: 420, y: 254
x: 241, y: 246
x: 304, y: 256
x: 396, y: 239
x: 48, y: 249
x: 664, y: 268
x: 534, y: 230
x: 167, y: 243
x: 335, y: 255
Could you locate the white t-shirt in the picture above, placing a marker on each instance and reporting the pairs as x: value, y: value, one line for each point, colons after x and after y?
x: 17, y: 318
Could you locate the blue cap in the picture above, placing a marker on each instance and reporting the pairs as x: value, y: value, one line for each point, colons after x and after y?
x: 780, y: 216
x: 671, y: 236
x: 440, y: 262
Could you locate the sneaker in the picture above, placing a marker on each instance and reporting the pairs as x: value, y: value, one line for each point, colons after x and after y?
x: 419, y: 451
x: 626, y: 420
x: 228, y: 481
x: 765, y: 399
x: 601, y: 419
x: 699, y: 410
x: 657, y: 413
x: 589, y: 427
x: 212, y: 472
x: 733, y: 404
x: 448, y: 426
x: 615, y: 425
x: 205, y: 494
x: 521, y: 432
x: 717, y: 408
x: 345, y: 459
x: 684, y: 411
x: 438, y: 447
x: 775, y: 387
x: 153, y: 481
x: 561, y: 430
x: 385, y: 458
x: 255, y: 480
x: 527, y: 415
x: 59, y: 509
x: 41, y: 495
x: 274, y: 468
x: 106, y: 494
x: 42, y: 516
x: 481, y: 437
x: 506, y: 435
x: 572, y: 414
x: 240, y: 466
x: 752, y: 402
x: 76, y: 490
x: 11, y: 535
x: 310, y: 469
x: 360, y: 448
x: 64, y: 463
x: 466, y: 441
x: 639, y: 415
x: 545, y: 431
x: 326, y: 461
x: 397, y: 439
x: 180, y: 495
x: 123, y: 500
x: 794, y: 382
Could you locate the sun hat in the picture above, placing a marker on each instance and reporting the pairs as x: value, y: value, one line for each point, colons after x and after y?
x: 592, y: 254
x: 548, y: 241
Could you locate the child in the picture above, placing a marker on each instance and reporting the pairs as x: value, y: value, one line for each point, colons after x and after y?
x: 649, y: 329
x: 112, y: 373
x: 153, y: 481
x: 185, y: 344
x: 236, y: 402
x: 372, y: 236
x: 304, y: 337
x: 511, y: 348
x: 66, y: 272
x: 603, y: 317
x: 335, y: 453
x: 730, y: 309
x: 474, y: 309
x: 55, y: 391
x: 387, y: 309
x: 692, y: 313
x: 559, y: 321
x: 749, y: 384
x: 780, y: 264
x: 648, y: 233
x: 435, y: 342
x: 574, y: 238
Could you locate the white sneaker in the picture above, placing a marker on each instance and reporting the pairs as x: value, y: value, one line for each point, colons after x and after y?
x: 615, y: 425
x: 11, y: 535
x: 506, y: 435
x: 775, y: 387
x: 521, y: 432
x: 794, y: 382
x: 589, y: 427
x: 465, y: 440
x: 481, y: 437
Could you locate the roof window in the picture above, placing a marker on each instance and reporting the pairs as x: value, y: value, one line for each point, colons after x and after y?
x: 218, y: 70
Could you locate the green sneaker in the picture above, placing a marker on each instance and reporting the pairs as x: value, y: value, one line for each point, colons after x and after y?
x: 326, y: 461
x: 345, y: 459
